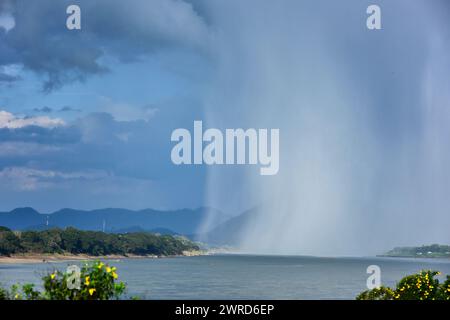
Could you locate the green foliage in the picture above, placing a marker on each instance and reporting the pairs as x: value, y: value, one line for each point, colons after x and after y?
x: 444, y: 290
x: 4, y: 295
x: 419, y: 286
x: 382, y: 293
x: 9, y: 242
x: 75, y: 241
x: 98, y: 281
x: 16, y: 292
x: 29, y: 293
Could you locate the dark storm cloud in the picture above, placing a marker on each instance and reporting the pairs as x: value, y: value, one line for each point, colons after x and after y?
x: 125, y: 30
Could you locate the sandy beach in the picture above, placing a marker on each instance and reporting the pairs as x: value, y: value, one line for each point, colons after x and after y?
x: 45, y: 258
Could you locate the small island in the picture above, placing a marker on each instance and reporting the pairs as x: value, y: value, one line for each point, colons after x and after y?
x: 74, y: 244
x: 426, y: 251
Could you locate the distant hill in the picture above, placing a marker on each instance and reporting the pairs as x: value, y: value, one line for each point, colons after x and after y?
x: 430, y: 251
x: 185, y: 221
x: 231, y: 231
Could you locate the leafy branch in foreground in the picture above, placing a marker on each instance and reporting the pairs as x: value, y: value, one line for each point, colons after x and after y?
x: 96, y: 281
x: 419, y: 286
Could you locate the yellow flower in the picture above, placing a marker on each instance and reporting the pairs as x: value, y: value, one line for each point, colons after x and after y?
x: 53, y: 276
x: 87, y: 281
x: 91, y: 291
x: 108, y: 269
x: 113, y: 268
x: 100, y: 265
x: 16, y: 296
x: 115, y: 276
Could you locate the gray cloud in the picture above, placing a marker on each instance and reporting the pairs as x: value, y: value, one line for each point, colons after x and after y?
x: 69, y: 109
x: 7, y: 78
x: 125, y: 30
x: 97, y: 141
x: 41, y: 135
x: 44, y: 109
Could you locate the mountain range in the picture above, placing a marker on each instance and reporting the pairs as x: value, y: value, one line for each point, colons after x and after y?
x: 184, y: 222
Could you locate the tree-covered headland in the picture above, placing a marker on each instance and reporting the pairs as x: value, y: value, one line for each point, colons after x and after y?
x: 94, y: 243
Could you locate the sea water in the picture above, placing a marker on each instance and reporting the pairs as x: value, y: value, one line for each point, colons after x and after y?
x: 242, y: 276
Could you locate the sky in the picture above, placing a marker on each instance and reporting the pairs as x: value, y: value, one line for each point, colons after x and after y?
x: 86, y: 115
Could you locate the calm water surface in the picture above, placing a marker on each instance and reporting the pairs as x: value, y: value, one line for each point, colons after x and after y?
x: 242, y: 276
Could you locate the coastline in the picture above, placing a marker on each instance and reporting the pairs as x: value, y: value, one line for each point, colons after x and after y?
x: 413, y: 257
x: 67, y: 257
